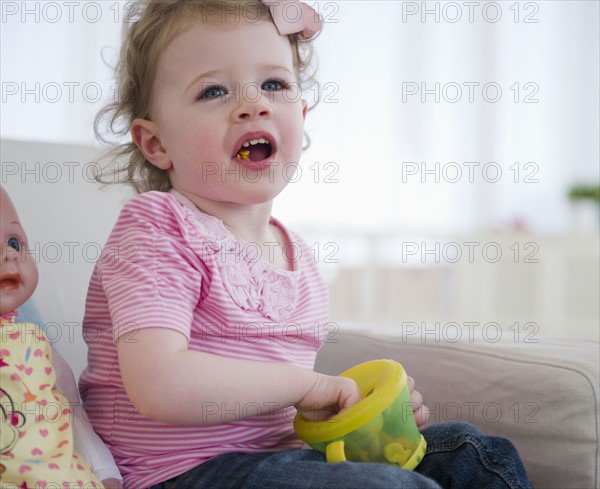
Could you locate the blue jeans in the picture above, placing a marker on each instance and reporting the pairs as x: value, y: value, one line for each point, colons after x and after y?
x: 458, y: 456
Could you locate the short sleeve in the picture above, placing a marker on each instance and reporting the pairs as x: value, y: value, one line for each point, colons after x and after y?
x: 148, y: 272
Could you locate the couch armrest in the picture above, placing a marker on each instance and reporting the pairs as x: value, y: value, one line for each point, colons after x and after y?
x: 542, y: 396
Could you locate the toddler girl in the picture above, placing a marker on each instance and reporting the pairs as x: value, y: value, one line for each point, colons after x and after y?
x: 204, y: 313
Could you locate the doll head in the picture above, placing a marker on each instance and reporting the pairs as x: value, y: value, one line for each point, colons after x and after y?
x: 18, y: 271
x: 149, y: 35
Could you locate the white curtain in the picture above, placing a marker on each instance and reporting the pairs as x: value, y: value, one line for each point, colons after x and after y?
x: 380, y: 139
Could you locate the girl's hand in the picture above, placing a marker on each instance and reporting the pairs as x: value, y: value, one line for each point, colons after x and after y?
x: 328, y: 396
x: 420, y: 411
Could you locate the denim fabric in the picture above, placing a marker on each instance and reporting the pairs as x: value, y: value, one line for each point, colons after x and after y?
x: 458, y: 457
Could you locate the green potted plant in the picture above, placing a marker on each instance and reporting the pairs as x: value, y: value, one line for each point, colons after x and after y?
x: 585, y: 204
x: 589, y: 192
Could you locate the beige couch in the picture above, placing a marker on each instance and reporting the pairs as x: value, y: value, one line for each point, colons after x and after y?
x: 542, y: 396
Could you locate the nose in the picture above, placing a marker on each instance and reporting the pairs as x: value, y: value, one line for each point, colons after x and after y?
x: 252, y: 107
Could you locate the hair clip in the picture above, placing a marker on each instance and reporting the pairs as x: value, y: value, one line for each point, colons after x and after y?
x: 294, y: 16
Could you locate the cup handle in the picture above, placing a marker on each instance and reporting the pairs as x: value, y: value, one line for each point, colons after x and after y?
x: 335, y: 452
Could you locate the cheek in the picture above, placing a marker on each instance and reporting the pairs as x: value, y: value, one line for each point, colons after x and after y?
x: 295, y: 125
x: 195, y: 143
x: 30, y: 272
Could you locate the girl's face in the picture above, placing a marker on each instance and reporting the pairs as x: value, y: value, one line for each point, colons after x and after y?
x: 218, y: 88
x: 18, y: 271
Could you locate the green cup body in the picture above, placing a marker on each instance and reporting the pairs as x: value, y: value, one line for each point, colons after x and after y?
x: 390, y: 437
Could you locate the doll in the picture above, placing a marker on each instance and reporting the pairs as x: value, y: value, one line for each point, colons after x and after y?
x: 38, y: 421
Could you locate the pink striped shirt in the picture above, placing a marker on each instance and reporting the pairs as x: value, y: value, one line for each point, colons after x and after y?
x: 167, y: 264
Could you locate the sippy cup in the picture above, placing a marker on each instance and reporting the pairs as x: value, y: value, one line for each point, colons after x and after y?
x: 379, y: 428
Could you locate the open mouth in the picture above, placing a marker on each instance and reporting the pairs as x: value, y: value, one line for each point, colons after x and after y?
x: 255, y: 150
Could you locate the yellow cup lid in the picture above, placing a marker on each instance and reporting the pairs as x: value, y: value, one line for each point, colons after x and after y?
x: 380, y: 383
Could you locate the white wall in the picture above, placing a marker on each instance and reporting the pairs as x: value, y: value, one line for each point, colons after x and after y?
x: 67, y: 218
x: 366, y: 128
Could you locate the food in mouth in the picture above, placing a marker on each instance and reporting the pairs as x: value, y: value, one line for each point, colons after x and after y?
x: 255, y: 150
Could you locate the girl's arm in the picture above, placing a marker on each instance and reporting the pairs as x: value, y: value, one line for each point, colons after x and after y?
x: 85, y: 439
x: 170, y: 384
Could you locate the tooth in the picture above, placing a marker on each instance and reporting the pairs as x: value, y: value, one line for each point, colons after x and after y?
x: 262, y: 141
x: 245, y: 145
x: 254, y: 141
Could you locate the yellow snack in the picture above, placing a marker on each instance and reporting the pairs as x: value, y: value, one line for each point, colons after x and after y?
x: 396, y: 453
x: 244, y: 154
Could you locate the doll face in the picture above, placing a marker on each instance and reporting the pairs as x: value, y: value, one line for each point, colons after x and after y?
x: 18, y: 271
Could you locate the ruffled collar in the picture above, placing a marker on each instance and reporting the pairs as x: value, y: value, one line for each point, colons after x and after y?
x: 252, y: 283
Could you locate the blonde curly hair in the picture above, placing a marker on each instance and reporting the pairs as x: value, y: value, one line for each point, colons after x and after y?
x: 146, y: 35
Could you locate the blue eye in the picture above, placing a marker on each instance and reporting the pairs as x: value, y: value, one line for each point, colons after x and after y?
x: 274, y: 85
x: 212, y: 92
x: 14, y: 243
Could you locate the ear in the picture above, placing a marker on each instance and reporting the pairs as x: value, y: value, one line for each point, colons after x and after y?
x: 145, y: 135
x: 304, y: 109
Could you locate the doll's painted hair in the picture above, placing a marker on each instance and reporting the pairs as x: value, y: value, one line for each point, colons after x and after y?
x: 153, y: 25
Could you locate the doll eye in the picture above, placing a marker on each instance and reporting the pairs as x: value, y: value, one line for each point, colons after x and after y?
x: 14, y: 243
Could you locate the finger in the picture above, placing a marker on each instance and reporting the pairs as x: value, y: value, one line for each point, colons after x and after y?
x: 349, y: 396
x: 416, y: 399
x: 318, y: 414
x: 411, y: 383
x: 352, y: 399
x: 421, y: 415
